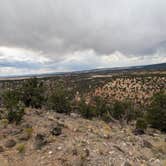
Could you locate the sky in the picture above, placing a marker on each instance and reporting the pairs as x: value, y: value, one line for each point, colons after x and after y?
x: 45, y: 36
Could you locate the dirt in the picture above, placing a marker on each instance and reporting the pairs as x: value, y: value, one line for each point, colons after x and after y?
x: 81, y: 142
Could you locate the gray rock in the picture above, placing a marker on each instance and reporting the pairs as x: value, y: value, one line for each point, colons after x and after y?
x: 74, y: 115
x: 127, y: 164
x: 16, y: 131
x: 40, y: 141
x: 10, y: 143
x: 24, y: 137
x: 75, y: 152
x: 57, y: 130
x: 138, y: 132
x: 1, y: 149
x: 26, y: 125
x: 147, y: 144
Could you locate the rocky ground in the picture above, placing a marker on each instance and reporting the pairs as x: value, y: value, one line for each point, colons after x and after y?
x: 52, y: 139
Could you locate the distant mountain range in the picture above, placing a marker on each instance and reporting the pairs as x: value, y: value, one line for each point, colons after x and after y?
x: 161, y: 66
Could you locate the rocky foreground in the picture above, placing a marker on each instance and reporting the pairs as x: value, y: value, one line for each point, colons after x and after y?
x: 51, y: 139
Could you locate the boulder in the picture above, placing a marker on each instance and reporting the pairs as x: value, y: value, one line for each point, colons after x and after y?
x: 10, y: 143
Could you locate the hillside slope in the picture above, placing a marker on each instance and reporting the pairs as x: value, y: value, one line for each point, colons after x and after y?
x: 52, y: 139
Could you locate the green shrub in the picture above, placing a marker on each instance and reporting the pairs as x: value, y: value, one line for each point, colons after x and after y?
x: 86, y: 110
x: 4, y: 122
x: 16, y: 113
x: 118, y: 110
x: 33, y: 93
x: 14, y: 107
x: 29, y: 131
x: 98, y: 107
x: 101, y: 106
x: 10, y: 98
x: 21, y: 148
x: 58, y: 100
x: 123, y: 111
x: 106, y: 116
x: 141, y: 124
x: 156, y: 114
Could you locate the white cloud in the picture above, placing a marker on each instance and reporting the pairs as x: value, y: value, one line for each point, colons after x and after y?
x: 78, y: 60
x: 21, y: 55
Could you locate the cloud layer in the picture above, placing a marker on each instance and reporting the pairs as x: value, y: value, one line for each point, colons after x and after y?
x: 59, y: 35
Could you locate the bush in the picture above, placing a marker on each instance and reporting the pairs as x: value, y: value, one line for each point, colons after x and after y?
x: 98, y: 107
x: 10, y: 98
x: 101, y: 106
x: 107, y: 116
x: 58, y: 100
x: 33, y: 93
x: 29, y: 131
x: 16, y: 113
x: 141, y: 124
x: 86, y: 110
x: 156, y: 114
x: 123, y: 111
x: 14, y: 107
x: 4, y: 123
x: 118, y: 110
x: 21, y: 148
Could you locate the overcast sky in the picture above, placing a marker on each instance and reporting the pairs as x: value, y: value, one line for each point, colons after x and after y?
x: 41, y: 36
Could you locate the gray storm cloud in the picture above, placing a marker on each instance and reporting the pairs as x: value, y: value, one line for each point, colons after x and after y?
x: 60, y: 27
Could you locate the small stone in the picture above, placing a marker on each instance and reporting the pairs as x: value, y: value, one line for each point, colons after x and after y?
x: 1, y: 149
x: 24, y: 137
x: 56, y: 131
x: 86, y: 152
x: 117, y: 147
x: 40, y: 140
x: 147, y: 144
x: 50, y: 152
x: 59, y: 148
x: 74, y: 115
x: 138, y: 132
x: 26, y: 125
x: 74, y: 151
x: 126, y: 163
x: 16, y: 131
x: 106, y: 136
x: 157, y: 161
x: 10, y: 143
